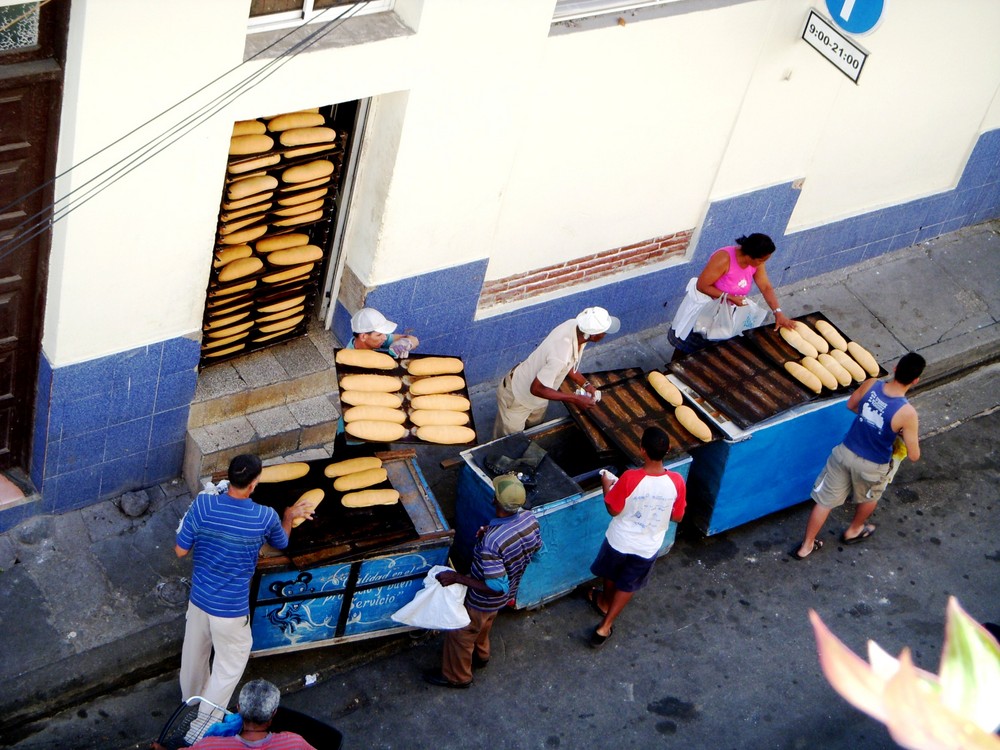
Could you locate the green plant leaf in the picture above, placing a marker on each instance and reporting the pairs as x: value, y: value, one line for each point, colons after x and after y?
x: 970, y: 669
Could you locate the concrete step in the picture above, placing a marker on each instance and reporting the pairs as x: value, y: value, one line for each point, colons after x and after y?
x: 273, y: 403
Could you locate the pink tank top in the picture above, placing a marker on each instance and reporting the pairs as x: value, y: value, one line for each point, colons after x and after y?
x: 736, y: 280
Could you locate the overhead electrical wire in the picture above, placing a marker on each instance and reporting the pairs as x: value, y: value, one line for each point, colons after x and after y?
x: 152, y: 148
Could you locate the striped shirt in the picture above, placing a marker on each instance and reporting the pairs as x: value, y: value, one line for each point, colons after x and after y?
x: 227, y: 535
x: 503, y: 552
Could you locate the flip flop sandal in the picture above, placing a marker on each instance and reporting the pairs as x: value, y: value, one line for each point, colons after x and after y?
x: 597, y: 640
x: 592, y: 601
x: 866, y: 532
x: 817, y: 545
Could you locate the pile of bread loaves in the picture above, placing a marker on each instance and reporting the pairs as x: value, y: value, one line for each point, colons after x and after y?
x: 280, y: 178
x: 375, y: 408
x: 828, y: 359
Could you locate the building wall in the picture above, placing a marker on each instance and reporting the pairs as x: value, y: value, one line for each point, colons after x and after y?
x: 497, y: 145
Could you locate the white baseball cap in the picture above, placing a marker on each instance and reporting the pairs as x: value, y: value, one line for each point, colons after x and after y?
x: 595, y: 320
x: 368, y: 319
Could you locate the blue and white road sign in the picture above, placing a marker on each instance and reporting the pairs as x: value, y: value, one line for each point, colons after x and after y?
x: 856, y: 16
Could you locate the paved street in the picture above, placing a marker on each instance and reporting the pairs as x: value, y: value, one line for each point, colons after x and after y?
x: 716, y: 653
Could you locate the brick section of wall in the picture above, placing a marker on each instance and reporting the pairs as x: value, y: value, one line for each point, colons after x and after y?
x: 572, y: 272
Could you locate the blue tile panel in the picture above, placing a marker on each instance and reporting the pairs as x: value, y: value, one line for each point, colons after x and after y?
x: 113, y: 424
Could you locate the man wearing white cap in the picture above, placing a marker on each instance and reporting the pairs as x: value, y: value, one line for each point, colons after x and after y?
x: 372, y: 331
x: 524, y: 393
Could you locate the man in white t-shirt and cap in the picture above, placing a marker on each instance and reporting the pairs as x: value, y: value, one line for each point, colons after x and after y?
x: 525, y: 392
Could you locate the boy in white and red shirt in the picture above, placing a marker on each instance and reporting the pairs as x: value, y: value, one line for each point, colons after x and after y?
x: 642, y: 503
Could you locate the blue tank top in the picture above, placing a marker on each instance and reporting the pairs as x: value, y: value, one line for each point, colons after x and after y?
x: 871, y: 435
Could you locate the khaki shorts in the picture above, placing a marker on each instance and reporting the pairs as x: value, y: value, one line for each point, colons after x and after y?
x: 846, y: 473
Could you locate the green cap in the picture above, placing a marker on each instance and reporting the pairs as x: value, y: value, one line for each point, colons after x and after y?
x: 509, y: 491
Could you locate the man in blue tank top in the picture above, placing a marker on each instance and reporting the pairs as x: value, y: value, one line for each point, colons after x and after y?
x: 862, y: 462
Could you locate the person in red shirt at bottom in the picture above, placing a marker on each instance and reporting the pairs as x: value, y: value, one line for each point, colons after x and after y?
x: 642, y: 504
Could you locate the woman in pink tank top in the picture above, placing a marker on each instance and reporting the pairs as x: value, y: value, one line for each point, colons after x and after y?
x: 733, y: 270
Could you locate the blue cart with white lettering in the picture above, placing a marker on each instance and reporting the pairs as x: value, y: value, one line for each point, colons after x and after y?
x: 343, y: 583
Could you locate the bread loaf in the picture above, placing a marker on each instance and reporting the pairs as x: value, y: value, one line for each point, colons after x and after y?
x: 283, y: 305
x: 691, y: 422
x: 307, y: 197
x: 249, y: 127
x: 295, y: 120
x: 250, y: 186
x: 427, y: 417
x: 240, y: 145
x: 312, y: 498
x: 799, y: 344
x: 832, y: 335
x: 435, y: 366
x: 306, y: 185
x: 223, y: 352
x: 314, y: 170
x: 250, y: 165
x: 281, y: 314
x: 229, y: 254
x: 825, y: 376
x: 352, y: 465
x: 290, y: 273
x: 252, y: 201
x: 210, y: 343
x: 367, y: 358
x: 268, y: 337
x: 243, y: 236
x: 294, y: 221
x: 819, y: 343
x: 437, y: 384
x: 863, y: 357
x: 440, y: 401
x: 379, y: 432
x: 219, y: 310
x: 371, y: 398
x: 281, y: 325
x: 221, y: 333
x: 240, y: 268
x: 836, y: 369
x: 293, y: 256
x: 803, y: 375
x: 228, y: 320
x: 295, y: 153
x: 381, y: 383
x: 359, y: 480
x: 229, y: 217
x: 224, y: 291
x: 281, y: 242
x: 366, y: 498
x: 365, y: 413
x: 306, y: 136
x: 284, y: 472
x: 303, y: 208
x: 446, y: 434
x: 667, y: 390
x: 845, y: 360
x: 227, y: 228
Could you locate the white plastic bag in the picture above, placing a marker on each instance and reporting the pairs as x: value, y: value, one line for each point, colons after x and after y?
x: 722, y: 320
x: 692, y: 304
x: 435, y: 607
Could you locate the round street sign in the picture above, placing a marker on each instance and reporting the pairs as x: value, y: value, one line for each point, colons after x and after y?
x: 856, y: 16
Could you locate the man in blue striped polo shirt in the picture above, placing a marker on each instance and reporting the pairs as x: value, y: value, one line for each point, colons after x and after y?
x: 226, y: 532
x: 504, y: 548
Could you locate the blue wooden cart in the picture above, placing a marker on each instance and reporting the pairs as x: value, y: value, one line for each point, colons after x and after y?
x: 348, y: 592
x: 568, y: 503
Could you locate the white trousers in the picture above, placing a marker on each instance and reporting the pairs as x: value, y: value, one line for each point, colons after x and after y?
x: 512, y: 415
x: 232, y: 640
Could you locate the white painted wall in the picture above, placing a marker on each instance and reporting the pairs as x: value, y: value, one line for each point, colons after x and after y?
x: 489, y: 138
